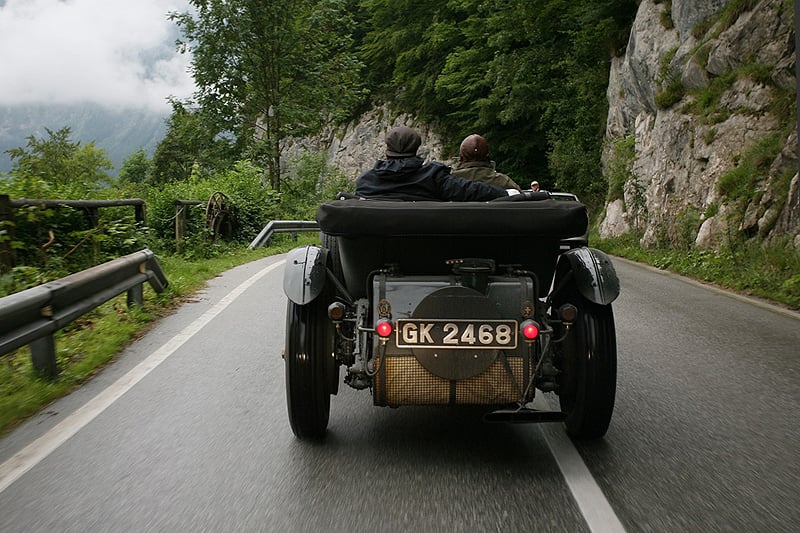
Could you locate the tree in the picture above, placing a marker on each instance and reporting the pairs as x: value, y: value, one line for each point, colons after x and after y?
x: 136, y: 167
x: 61, y: 164
x: 191, y: 141
x: 267, y: 69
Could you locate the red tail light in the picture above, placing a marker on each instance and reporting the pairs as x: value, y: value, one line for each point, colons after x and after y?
x: 384, y: 328
x: 530, y: 330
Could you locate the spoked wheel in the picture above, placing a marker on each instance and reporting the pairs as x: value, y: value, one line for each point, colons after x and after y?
x: 588, y: 361
x: 309, y: 366
x: 217, y: 214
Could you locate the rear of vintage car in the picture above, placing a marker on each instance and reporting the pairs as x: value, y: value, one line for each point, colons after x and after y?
x: 453, y: 339
x: 452, y: 284
x: 442, y: 303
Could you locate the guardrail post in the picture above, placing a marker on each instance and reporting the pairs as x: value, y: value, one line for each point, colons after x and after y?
x: 135, y: 296
x: 43, y: 356
x: 139, y: 213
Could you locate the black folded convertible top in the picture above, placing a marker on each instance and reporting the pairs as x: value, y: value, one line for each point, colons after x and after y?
x: 376, y: 218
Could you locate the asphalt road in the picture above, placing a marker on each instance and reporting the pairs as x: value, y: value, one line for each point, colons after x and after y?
x: 187, y: 431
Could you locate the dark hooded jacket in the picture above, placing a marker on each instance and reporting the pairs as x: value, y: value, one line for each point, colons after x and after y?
x: 408, y: 179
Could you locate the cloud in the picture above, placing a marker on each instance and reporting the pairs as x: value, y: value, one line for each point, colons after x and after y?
x: 117, y: 53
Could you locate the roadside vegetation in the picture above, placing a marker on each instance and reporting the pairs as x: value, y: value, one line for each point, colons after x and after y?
x: 45, y: 244
x: 767, y: 271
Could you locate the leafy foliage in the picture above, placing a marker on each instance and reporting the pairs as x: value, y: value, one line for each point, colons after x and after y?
x: 310, y: 182
x: 59, y: 164
x: 265, y: 69
x: 63, y: 240
x: 135, y: 168
x: 53, y: 242
x: 253, y: 206
x: 620, y: 166
x: 190, y: 144
x: 529, y: 76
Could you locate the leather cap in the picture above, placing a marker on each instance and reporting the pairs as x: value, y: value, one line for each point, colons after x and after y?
x: 474, y: 148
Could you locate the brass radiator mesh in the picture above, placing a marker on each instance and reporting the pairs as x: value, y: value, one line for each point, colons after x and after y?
x: 402, y: 380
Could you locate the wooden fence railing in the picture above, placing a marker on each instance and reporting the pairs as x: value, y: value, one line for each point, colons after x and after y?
x: 90, y: 207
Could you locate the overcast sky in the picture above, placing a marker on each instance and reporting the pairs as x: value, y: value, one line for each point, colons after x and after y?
x: 119, y: 53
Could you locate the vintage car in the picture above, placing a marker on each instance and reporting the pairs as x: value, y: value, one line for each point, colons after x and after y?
x: 453, y: 303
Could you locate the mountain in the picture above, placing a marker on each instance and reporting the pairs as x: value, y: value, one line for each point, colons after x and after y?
x: 119, y: 131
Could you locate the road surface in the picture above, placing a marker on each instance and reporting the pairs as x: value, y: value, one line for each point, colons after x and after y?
x: 188, y: 431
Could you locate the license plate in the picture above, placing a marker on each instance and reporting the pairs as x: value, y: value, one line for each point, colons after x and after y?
x: 472, y: 334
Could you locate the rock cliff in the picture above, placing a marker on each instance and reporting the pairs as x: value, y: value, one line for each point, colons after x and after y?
x: 355, y: 147
x: 701, y: 129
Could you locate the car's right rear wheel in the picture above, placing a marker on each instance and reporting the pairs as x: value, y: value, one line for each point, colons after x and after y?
x: 588, y: 364
x: 334, y: 259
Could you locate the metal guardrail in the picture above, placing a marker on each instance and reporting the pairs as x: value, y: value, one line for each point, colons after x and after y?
x: 32, y: 316
x: 282, y: 226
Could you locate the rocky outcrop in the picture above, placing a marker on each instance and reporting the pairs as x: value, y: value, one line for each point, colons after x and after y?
x: 355, y: 147
x: 701, y: 88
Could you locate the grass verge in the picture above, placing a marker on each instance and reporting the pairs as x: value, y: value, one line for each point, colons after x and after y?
x: 771, y: 272
x: 93, y: 340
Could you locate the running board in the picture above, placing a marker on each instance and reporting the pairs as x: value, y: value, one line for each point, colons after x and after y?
x: 524, y: 416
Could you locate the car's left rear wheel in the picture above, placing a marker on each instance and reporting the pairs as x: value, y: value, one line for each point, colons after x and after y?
x: 307, y: 367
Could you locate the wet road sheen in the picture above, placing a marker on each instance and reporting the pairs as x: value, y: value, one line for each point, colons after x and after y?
x: 704, y: 435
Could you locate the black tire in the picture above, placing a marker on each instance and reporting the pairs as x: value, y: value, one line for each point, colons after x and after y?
x: 334, y: 259
x: 307, y: 364
x: 588, y: 361
x: 335, y: 265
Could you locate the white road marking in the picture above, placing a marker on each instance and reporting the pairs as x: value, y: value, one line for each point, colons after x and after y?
x: 596, y: 510
x: 38, y: 450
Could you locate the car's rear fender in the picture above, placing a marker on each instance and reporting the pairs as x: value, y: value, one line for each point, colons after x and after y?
x: 305, y: 274
x: 592, y: 273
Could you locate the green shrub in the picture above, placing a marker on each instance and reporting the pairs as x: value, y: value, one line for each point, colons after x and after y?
x: 665, y: 17
x: 671, y: 89
x: 740, y: 181
x: 725, y: 17
x: 620, y: 167
x: 251, y: 206
x: 310, y: 181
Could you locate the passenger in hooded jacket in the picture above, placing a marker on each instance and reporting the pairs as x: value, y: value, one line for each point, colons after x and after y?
x: 474, y: 164
x: 404, y: 176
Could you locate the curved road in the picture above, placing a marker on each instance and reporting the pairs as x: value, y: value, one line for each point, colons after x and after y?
x: 187, y: 431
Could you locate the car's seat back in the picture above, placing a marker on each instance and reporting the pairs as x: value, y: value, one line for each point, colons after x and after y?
x: 418, y: 237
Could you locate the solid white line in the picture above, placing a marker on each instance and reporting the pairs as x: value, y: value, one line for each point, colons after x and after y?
x: 38, y: 450
x: 596, y: 510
